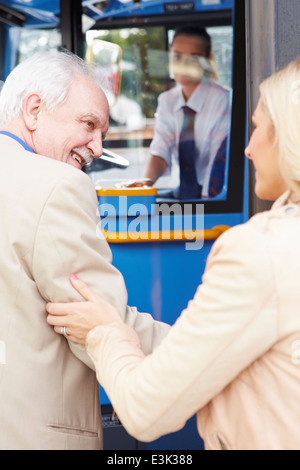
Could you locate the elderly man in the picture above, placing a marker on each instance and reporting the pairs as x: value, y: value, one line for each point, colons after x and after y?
x: 53, y: 118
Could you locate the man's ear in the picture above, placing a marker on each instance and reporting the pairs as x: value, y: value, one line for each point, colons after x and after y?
x: 31, y: 109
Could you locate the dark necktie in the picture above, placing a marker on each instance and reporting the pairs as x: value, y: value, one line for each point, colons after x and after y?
x: 189, y: 187
x: 216, y: 181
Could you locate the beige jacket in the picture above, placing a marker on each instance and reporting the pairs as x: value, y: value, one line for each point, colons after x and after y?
x: 233, y: 357
x: 49, y: 399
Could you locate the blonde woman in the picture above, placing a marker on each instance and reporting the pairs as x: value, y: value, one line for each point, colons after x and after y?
x: 233, y: 356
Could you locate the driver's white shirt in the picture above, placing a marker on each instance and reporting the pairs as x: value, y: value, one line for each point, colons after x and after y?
x: 211, y: 102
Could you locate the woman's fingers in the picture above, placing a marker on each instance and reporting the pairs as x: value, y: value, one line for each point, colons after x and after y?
x: 61, y: 309
x: 58, y: 311
x: 76, y: 319
x: 69, y: 325
x: 67, y: 332
x: 57, y: 319
x: 83, y: 289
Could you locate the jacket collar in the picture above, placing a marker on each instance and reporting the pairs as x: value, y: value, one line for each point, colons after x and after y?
x: 286, y: 198
x: 20, y: 141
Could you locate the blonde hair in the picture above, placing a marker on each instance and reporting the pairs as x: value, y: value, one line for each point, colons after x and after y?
x: 280, y: 95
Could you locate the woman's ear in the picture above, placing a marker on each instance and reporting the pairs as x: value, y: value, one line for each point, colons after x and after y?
x: 31, y: 109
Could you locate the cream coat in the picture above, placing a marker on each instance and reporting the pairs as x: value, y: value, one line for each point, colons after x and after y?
x: 233, y: 357
x: 49, y: 399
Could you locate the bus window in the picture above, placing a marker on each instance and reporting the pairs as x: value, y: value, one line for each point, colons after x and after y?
x: 20, y: 43
x: 145, y: 72
x: 104, y: 58
x: 38, y: 40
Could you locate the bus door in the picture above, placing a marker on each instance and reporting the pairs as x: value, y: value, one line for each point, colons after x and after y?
x: 159, y: 241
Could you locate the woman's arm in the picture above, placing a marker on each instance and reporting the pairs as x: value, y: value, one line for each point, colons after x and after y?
x: 222, y: 331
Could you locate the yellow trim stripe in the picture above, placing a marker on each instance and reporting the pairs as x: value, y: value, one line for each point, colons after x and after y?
x: 164, y: 236
x: 126, y: 192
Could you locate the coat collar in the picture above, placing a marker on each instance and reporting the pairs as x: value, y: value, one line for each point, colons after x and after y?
x: 20, y: 141
x: 286, y: 198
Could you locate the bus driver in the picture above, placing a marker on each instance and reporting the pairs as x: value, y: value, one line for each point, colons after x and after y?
x: 192, y: 119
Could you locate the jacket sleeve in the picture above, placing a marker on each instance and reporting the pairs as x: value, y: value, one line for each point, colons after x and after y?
x: 229, y: 323
x: 68, y: 240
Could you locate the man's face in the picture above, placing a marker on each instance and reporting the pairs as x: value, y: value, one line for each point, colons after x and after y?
x: 74, y: 132
x: 185, y: 54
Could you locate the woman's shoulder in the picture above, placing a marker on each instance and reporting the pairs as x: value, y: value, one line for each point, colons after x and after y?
x: 283, y: 219
x: 242, y: 238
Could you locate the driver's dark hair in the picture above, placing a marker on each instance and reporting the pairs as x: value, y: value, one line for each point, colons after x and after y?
x: 193, y: 30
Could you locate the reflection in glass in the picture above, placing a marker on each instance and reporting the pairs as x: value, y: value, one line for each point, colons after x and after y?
x: 105, y: 59
x: 37, y: 40
x: 145, y: 76
x: 192, y: 118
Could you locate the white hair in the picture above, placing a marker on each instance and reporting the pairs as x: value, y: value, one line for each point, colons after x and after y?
x: 49, y: 74
x: 281, y: 99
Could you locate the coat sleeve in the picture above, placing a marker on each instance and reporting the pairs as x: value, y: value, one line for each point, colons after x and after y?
x: 69, y: 240
x: 229, y: 323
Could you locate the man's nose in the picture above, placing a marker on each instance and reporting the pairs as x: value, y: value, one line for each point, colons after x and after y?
x: 95, y: 147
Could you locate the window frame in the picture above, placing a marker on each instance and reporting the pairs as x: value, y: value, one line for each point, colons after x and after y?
x: 234, y: 199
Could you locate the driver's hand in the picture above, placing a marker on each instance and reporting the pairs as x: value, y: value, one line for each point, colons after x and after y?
x: 139, y: 183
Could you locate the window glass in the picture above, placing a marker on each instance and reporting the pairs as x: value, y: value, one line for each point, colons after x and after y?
x: 37, y: 40
x: 144, y: 72
x: 145, y: 76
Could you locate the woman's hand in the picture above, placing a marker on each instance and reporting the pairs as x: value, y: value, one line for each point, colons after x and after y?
x: 76, y: 319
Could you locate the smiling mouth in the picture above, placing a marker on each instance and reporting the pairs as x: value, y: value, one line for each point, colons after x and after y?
x: 82, y: 158
x: 78, y: 158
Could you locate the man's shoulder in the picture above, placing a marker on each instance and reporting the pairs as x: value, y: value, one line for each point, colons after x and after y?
x: 38, y: 171
x: 57, y: 175
x: 54, y: 172
x: 55, y: 167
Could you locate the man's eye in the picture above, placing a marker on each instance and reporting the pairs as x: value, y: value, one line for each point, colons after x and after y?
x: 89, y: 124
